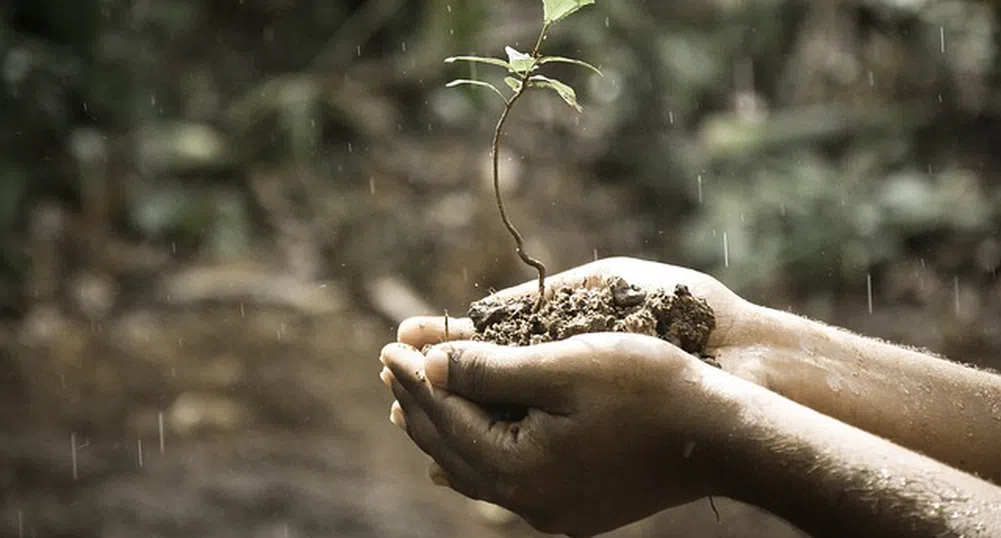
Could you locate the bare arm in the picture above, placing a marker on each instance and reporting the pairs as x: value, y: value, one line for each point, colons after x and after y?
x: 831, y: 479
x: 942, y: 409
x: 622, y: 426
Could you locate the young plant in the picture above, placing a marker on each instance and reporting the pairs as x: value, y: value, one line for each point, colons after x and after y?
x: 522, y: 75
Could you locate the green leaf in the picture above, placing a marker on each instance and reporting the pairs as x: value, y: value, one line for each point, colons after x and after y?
x: 519, y: 62
x: 557, y: 10
x: 470, y: 82
x: 561, y: 59
x: 513, y: 83
x: 480, y: 59
x: 564, y: 90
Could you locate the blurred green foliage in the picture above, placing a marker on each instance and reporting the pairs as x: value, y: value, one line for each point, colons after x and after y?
x: 828, y: 136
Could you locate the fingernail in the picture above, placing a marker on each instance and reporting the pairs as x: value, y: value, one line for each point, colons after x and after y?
x: 393, y: 347
x: 439, y: 479
x: 436, y: 367
x: 396, y: 416
x: 386, y: 378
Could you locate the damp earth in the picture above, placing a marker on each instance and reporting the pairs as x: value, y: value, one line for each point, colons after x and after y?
x: 677, y: 317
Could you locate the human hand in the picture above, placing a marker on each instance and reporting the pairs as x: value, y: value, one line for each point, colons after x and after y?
x: 736, y: 342
x: 619, y: 426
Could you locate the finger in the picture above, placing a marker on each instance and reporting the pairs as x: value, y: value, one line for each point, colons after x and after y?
x: 430, y: 330
x: 464, y: 426
x: 437, y: 475
x: 451, y: 479
x: 533, y: 376
x: 454, y: 471
x: 396, y: 415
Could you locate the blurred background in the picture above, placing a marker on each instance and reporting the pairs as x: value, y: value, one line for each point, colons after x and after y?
x: 213, y: 215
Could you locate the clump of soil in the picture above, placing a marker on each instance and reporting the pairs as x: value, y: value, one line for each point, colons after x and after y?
x: 679, y: 318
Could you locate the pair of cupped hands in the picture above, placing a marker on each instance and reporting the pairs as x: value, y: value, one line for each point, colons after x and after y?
x: 614, y: 420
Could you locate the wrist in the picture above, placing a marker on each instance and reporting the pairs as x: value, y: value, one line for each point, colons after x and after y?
x: 720, y: 432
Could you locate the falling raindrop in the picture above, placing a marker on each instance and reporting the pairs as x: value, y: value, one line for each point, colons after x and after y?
x: 159, y: 430
x: 20, y: 523
x: 73, y: 454
x: 595, y: 252
x: 606, y: 22
x: 403, y: 45
x: 139, y: 452
x: 700, y: 188
x: 670, y: 117
x: 448, y: 7
x: 872, y: 79
x: 941, y: 39
x: 868, y: 290
x: 350, y: 147
x: 726, y: 252
x: 358, y: 50
x: 371, y: 186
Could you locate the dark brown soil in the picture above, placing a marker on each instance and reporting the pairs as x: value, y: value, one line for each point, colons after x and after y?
x: 679, y: 318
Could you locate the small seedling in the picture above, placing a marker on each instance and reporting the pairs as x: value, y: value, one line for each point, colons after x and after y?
x: 523, y: 74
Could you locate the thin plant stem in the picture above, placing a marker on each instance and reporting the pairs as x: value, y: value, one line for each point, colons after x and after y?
x: 494, y: 150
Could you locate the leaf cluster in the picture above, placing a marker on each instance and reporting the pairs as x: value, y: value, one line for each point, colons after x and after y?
x: 522, y: 67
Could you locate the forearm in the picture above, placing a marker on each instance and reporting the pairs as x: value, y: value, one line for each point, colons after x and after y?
x: 939, y: 408
x: 831, y: 479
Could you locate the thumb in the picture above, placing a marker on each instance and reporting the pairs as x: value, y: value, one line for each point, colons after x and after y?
x: 488, y: 373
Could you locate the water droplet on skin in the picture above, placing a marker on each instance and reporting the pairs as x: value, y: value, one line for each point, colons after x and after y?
x: 834, y: 384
